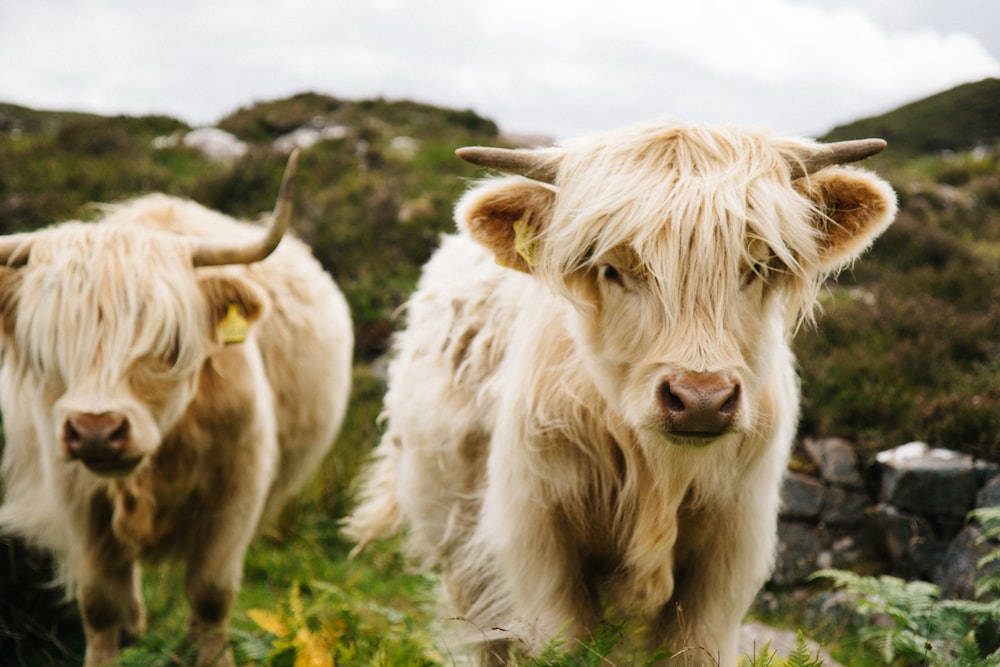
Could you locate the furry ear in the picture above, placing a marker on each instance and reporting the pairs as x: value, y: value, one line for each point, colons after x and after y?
x: 507, y: 215
x: 233, y: 304
x: 854, y: 207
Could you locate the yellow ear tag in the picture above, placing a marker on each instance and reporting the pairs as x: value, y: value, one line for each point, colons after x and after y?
x: 524, y: 245
x: 233, y: 327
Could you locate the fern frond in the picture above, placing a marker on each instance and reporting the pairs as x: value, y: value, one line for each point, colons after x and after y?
x: 801, y: 657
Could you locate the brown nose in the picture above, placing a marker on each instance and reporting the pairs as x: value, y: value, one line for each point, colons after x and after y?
x: 699, y: 404
x: 102, y: 436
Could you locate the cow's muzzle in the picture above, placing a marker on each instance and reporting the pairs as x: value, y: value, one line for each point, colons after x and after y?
x: 100, y: 441
x: 698, y: 406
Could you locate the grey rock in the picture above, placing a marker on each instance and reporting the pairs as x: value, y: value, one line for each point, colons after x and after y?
x: 800, y: 546
x: 989, y: 494
x: 802, y: 496
x: 986, y: 470
x: 907, y: 540
x: 215, y: 144
x: 836, y: 460
x: 957, y: 572
x: 845, y: 506
x: 934, y: 482
x: 848, y: 549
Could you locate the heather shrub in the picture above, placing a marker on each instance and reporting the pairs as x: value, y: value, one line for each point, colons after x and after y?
x: 908, y: 347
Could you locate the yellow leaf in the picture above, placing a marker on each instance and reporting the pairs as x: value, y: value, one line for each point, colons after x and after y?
x: 269, y: 621
x: 295, y: 602
x: 311, y: 650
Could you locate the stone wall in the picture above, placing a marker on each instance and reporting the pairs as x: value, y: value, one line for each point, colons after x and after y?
x: 904, y: 515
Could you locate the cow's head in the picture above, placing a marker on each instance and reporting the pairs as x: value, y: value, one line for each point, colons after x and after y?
x: 107, y: 328
x: 688, y: 253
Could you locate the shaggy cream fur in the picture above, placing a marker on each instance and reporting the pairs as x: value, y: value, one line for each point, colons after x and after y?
x: 111, y: 318
x: 529, y: 451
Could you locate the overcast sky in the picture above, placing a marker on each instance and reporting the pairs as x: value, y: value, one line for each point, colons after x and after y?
x: 558, y: 67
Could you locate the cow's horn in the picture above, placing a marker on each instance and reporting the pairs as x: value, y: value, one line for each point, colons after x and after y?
x: 812, y: 159
x: 15, y: 248
x: 538, y: 164
x: 210, y: 254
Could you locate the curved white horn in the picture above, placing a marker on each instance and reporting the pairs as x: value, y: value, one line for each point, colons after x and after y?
x: 812, y: 159
x: 214, y: 254
x: 541, y: 164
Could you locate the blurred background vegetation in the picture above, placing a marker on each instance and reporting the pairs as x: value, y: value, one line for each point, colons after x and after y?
x: 907, y: 346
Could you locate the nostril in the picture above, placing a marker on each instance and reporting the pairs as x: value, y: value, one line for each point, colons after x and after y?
x: 669, y: 400
x: 71, y: 436
x: 731, y: 404
x: 121, y: 433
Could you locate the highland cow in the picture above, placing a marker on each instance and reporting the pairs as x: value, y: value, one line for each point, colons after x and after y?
x: 592, y: 403
x: 170, y: 377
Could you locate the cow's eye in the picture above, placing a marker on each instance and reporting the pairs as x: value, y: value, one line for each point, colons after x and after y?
x: 172, y: 353
x: 612, y: 275
x: 755, y: 272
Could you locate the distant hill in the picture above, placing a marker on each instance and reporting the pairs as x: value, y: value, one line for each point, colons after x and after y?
x: 958, y: 119
x: 375, y: 189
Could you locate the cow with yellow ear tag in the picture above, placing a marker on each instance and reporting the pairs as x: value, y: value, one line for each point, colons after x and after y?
x: 169, y: 379
x: 592, y: 403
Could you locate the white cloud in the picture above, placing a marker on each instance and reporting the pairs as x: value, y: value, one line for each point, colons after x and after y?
x: 558, y: 66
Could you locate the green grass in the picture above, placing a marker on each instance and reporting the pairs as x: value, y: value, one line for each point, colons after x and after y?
x: 370, y: 610
x: 366, y: 611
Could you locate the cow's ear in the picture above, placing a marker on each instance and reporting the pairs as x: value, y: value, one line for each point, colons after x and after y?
x: 234, y: 303
x: 853, y: 206
x: 10, y: 282
x: 507, y: 215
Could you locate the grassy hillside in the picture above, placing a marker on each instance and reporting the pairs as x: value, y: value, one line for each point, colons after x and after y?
x: 372, y: 201
x: 908, y: 345
x: 958, y: 119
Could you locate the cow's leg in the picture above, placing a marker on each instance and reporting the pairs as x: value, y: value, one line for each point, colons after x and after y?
x: 135, y: 620
x: 541, y: 567
x: 213, y: 577
x: 717, y: 582
x: 557, y: 601
x: 108, y: 585
x: 215, y: 569
x: 207, y: 630
x: 111, y: 607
